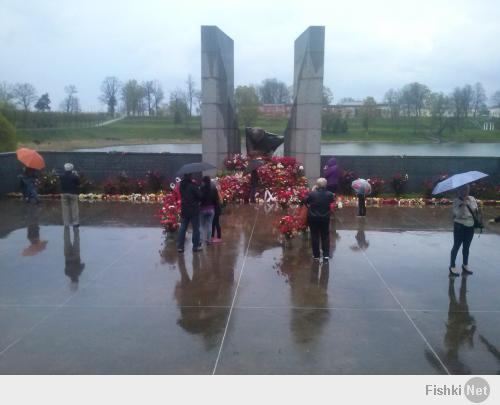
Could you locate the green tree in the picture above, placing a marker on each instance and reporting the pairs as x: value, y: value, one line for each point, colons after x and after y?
x: 327, y: 96
x: 368, y: 112
x: 393, y: 100
x: 178, y: 106
x: 133, y: 95
x: 43, y: 103
x: 6, y: 95
x: 439, y: 106
x: 110, y: 87
x: 8, y: 140
x: 247, y: 104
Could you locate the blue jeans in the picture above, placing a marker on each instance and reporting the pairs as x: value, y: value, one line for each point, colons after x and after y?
x: 206, y: 219
x: 195, y: 222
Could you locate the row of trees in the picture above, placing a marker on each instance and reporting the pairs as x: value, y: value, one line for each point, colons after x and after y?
x: 24, y: 95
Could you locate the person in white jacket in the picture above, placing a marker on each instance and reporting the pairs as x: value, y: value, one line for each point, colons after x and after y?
x: 464, y: 206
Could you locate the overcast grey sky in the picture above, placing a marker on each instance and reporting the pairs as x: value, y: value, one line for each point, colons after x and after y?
x: 370, y: 46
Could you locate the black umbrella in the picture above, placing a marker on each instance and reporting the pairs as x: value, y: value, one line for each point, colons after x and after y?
x: 194, y: 168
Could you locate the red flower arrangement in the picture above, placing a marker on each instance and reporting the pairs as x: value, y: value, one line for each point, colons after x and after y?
x: 169, y: 213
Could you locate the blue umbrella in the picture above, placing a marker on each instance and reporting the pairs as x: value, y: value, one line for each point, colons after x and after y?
x: 458, y: 180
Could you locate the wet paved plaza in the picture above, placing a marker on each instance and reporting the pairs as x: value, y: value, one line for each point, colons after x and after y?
x: 115, y: 297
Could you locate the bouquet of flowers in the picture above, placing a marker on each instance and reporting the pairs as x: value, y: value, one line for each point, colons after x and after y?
x: 236, y: 162
x: 169, y: 213
x: 377, y: 185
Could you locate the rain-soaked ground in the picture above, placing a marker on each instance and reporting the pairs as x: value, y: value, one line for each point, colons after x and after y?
x: 116, y: 298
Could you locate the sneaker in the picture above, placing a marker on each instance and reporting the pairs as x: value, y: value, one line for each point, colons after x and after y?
x: 466, y: 271
x: 216, y: 240
x: 197, y: 249
x: 180, y: 250
x: 326, y: 258
x: 452, y: 272
x: 316, y: 258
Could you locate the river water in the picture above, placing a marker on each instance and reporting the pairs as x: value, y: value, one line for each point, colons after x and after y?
x: 339, y: 149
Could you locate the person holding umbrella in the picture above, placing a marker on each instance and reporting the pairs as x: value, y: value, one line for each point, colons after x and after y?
x: 465, y: 216
x: 362, y: 188
x: 32, y: 161
x: 190, y: 204
x: 464, y: 207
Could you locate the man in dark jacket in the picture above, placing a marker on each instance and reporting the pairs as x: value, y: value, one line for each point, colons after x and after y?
x: 190, y: 212
x: 70, y: 183
x: 318, y: 216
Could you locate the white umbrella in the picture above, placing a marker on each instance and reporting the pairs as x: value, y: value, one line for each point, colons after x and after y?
x: 361, y: 186
x: 458, y: 180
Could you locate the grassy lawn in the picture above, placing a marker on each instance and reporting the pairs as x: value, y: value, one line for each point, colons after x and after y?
x: 161, y: 130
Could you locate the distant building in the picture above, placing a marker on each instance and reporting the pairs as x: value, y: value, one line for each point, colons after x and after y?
x: 494, y: 112
x: 275, y: 110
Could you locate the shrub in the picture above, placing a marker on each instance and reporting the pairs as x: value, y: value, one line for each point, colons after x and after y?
x: 377, y: 185
x: 429, y: 184
x: 398, y: 183
x: 48, y: 183
x: 485, y: 190
x: 86, y: 185
x: 154, y: 181
x: 8, y: 141
x: 120, y: 184
x: 346, y: 178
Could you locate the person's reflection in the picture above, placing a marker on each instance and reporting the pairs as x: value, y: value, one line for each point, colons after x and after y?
x: 362, y: 243
x: 310, y: 301
x: 460, y: 327
x: 73, y: 265
x: 203, y: 296
x: 33, y: 231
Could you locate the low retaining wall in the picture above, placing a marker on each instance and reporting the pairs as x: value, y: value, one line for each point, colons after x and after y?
x: 98, y: 166
x: 418, y: 168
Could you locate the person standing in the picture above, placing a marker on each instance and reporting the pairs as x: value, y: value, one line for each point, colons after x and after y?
x: 190, y: 212
x: 70, y: 183
x: 254, y: 182
x: 464, y: 209
x: 217, y: 212
x: 318, y: 217
x: 28, y: 185
x: 361, y: 205
x: 332, y: 174
x: 207, y: 208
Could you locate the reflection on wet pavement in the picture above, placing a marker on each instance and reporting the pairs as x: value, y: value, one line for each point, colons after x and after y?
x: 115, y: 297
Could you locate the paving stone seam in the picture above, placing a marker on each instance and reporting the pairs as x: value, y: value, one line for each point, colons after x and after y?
x: 235, y: 293
x: 406, y: 313
x: 57, y: 308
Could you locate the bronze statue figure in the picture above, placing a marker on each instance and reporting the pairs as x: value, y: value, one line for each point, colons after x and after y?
x: 260, y: 142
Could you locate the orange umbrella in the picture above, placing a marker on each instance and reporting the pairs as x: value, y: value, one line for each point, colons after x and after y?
x: 30, y: 158
x: 35, y: 248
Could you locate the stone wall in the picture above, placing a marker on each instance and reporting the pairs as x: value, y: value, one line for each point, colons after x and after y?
x: 98, y: 166
x: 418, y: 168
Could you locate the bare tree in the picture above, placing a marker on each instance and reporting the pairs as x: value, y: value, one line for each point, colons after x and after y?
x: 478, y: 99
x: 495, y: 99
x: 24, y: 94
x: 110, y: 87
x: 6, y: 94
x: 190, y: 94
x: 272, y: 91
x: 148, y: 87
x: 158, y: 95
x: 461, y: 101
x: 70, y: 104
x: 393, y: 99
